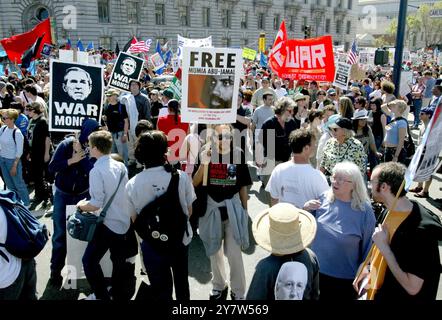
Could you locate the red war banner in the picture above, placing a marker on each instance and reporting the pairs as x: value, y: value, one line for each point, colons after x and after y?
x: 309, y: 59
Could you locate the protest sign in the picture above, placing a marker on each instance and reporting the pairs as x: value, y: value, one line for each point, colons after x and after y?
x: 76, y: 93
x: 357, y: 73
x: 175, y: 64
x: 342, y: 76
x: 71, y: 56
x: 95, y: 59
x: 126, y: 68
x: 406, y: 80
x: 193, y: 43
x: 366, y: 57
x: 46, y: 50
x: 157, y: 61
x: 426, y: 157
x: 249, y: 54
x: 310, y: 59
x: 210, y: 82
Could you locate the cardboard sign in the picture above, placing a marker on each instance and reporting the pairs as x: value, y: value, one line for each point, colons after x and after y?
x: 76, y: 93
x: 157, y: 61
x: 342, y: 76
x: 193, y: 43
x: 249, y: 54
x: 357, y: 73
x: 310, y: 59
x: 126, y: 68
x: 69, y: 56
x: 210, y: 84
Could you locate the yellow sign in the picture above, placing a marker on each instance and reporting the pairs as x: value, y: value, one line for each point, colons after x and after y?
x: 249, y: 54
x: 262, y: 42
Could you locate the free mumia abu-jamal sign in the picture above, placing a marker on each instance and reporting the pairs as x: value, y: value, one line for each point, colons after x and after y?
x: 76, y: 94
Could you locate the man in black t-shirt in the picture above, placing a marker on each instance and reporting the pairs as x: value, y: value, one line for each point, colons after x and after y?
x: 412, y: 254
x: 117, y: 122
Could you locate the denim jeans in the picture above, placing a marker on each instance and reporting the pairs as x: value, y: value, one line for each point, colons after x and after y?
x: 16, y: 183
x: 417, y: 110
x: 104, y: 239
x: 120, y: 147
x: 61, y: 200
x: 25, y: 286
x: 158, y: 267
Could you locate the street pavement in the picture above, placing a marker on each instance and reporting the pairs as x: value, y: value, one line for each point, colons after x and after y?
x: 199, y: 265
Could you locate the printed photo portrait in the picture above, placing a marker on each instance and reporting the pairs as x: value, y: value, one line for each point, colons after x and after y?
x: 291, y: 281
x: 210, y: 92
x: 77, y: 83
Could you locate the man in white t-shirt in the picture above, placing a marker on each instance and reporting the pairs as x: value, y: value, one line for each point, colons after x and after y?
x: 18, y: 278
x: 295, y: 181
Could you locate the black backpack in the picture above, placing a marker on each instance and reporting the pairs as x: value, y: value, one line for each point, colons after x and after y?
x: 26, y: 147
x: 163, y: 222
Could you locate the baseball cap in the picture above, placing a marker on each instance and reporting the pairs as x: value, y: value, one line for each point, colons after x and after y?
x: 428, y: 111
x: 331, y: 92
x: 168, y: 93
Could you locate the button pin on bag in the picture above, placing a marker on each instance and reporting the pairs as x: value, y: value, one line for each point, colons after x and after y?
x: 164, y: 237
x: 155, y: 234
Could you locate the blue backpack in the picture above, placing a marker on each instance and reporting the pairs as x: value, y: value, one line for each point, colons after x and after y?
x: 26, y: 235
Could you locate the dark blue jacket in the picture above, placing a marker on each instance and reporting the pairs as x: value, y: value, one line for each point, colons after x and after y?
x: 73, y: 179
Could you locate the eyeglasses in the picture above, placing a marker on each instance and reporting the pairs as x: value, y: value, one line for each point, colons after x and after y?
x: 339, y: 180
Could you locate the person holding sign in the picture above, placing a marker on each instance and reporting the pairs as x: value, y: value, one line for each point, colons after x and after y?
x: 224, y: 226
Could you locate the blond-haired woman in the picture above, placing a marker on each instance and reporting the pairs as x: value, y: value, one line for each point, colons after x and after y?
x: 345, y: 222
x: 396, y: 131
x: 346, y: 108
x: 11, y: 149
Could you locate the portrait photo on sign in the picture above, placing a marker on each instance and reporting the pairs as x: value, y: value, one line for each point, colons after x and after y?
x: 126, y: 68
x: 291, y: 281
x: 215, y: 91
x: 76, y: 93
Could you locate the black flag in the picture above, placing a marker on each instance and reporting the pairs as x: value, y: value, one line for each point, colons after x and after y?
x: 128, y: 44
x: 117, y: 49
x: 30, y: 54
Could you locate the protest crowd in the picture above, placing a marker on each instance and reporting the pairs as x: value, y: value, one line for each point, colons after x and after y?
x: 331, y: 163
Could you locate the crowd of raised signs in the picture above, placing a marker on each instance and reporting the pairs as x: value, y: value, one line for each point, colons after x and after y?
x: 324, y: 137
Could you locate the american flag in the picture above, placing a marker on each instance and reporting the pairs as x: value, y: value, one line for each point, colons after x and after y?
x: 352, y: 55
x: 140, y: 46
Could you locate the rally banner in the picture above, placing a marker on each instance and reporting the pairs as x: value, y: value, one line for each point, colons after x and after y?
x: 425, y: 159
x: 249, y: 54
x: 210, y: 84
x: 193, y: 43
x: 126, y: 68
x: 342, y: 76
x: 156, y: 61
x: 309, y: 59
x: 76, y: 93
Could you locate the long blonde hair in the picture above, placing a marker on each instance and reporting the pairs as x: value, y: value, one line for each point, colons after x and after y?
x: 359, y: 194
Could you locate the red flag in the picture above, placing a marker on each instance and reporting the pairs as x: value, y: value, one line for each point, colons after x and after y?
x: 16, y: 45
x: 309, y: 59
x: 277, y: 53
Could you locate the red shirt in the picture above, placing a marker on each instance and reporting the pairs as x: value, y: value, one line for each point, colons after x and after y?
x: 175, y: 132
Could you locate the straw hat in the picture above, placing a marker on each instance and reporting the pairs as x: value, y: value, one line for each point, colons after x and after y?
x: 284, y: 229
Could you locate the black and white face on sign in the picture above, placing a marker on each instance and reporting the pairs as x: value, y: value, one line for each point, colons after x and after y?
x: 128, y: 66
x: 77, y: 83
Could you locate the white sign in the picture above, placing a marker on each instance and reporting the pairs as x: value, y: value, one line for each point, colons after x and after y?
x: 194, y: 43
x: 68, y: 56
x: 342, y: 75
x: 157, y: 61
x: 210, y: 84
x: 366, y: 58
x: 406, y: 79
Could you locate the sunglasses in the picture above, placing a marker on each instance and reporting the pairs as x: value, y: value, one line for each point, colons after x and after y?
x: 5, y: 118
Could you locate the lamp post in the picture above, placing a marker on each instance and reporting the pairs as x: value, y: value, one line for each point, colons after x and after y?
x: 399, y: 45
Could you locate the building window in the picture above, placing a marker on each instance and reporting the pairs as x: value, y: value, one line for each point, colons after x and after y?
x: 226, y: 42
x: 329, y: 3
x: 245, y: 41
x: 276, y: 21
x: 291, y: 23
x: 304, y: 23
x: 227, y: 18
x: 159, y: 14
x: 185, y: 16
x: 261, y: 21
x: 244, y: 19
x: 305, y: 1
x: 339, y: 4
x: 348, y: 27
x: 327, y: 25
x: 318, y: 2
x: 350, y: 4
x: 338, y: 26
x: 106, y: 42
x: 42, y: 14
x: 133, y: 9
x: 206, y: 17
x: 103, y: 11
